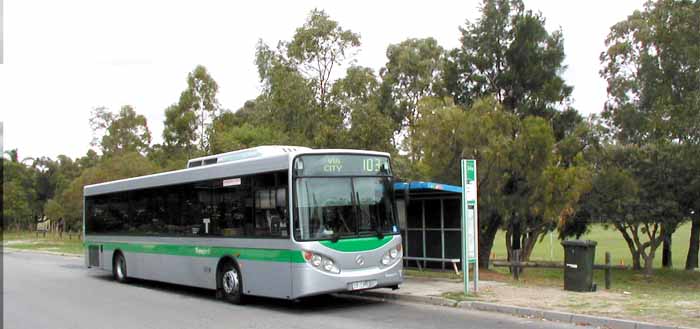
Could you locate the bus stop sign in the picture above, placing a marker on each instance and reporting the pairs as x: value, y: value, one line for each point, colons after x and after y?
x: 470, y: 224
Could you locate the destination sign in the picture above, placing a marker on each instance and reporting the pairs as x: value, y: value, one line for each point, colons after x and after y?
x: 341, y: 165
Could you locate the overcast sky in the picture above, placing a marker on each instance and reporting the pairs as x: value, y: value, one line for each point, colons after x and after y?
x: 63, y: 58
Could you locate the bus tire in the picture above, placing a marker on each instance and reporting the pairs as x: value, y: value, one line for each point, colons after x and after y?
x: 119, y: 268
x: 229, y: 282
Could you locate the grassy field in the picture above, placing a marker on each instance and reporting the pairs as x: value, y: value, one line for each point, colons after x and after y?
x: 608, y: 240
x: 52, y: 242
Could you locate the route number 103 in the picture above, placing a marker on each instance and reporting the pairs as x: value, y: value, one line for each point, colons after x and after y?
x: 374, y: 165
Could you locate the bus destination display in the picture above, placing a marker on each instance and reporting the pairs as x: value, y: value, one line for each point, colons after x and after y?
x: 341, y: 165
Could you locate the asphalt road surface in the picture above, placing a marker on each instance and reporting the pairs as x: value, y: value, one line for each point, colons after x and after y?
x: 46, y: 291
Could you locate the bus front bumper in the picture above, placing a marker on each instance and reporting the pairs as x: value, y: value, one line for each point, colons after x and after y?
x: 309, y: 281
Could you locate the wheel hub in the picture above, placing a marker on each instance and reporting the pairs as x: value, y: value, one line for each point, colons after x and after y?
x: 230, y: 281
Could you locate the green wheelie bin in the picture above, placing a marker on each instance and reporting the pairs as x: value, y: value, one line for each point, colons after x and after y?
x: 579, y: 258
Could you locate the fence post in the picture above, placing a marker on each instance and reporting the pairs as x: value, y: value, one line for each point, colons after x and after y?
x: 608, y: 270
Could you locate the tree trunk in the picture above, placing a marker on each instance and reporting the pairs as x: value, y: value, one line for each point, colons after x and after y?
x: 667, y: 256
x: 691, y: 262
x: 529, y: 241
x: 487, y: 235
x: 654, y: 243
x: 636, y: 260
x: 649, y: 264
x: 636, y: 257
x: 515, y: 243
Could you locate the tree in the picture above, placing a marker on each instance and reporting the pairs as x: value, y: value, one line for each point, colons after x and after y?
x: 19, y: 196
x: 356, y: 98
x: 540, y: 193
x: 445, y: 134
x: 635, y: 191
x: 522, y: 187
x: 287, y: 101
x: 123, y: 132
x: 509, y: 54
x: 412, y: 73
x: 652, y: 67
x: 245, y: 136
x: 298, y: 78
x: 53, y: 210
x: 188, y: 123
x: 317, y: 47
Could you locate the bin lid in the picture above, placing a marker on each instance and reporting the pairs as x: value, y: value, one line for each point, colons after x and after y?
x: 579, y: 243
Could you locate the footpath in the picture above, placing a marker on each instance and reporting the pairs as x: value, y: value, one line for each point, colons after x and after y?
x: 443, y: 292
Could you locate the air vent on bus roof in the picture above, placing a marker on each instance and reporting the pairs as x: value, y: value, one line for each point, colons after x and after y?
x: 243, y: 155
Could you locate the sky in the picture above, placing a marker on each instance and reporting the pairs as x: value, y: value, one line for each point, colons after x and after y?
x: 64, y: 58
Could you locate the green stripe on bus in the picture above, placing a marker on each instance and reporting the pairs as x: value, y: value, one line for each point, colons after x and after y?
x: 269, y: 255
x: 359, y: 244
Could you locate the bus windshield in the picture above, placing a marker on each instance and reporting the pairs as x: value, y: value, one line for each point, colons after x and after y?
x: 341, y: 207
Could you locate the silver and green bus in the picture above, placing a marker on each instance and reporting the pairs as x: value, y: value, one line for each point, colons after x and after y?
x: 274, y: 221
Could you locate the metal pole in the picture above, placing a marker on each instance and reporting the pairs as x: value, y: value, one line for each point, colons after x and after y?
x: 465, y: 262
x: 442, y: 231
x: 476, y: 232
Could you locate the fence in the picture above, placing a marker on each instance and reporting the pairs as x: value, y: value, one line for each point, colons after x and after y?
x: 60, y: 234
x: 516, y: 266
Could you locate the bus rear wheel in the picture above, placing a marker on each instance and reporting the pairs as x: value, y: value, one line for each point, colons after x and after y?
x: 230, y: 283
x: 119, y: 268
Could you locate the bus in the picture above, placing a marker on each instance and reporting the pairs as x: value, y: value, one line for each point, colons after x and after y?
x: 274, y: 221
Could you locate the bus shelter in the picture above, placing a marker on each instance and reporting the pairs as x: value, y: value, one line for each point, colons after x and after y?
x: 429, y: 218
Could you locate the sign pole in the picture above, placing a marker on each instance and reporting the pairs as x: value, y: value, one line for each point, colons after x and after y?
x: 470, y: 223
x: 465, y: 261
x: 476, y: 230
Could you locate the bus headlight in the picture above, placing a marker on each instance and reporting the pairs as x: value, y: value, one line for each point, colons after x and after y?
x: 386, y: 259
x: 321, y: 262
x: 327, y: 264
x: 316, y: 260
x: 391, y: 256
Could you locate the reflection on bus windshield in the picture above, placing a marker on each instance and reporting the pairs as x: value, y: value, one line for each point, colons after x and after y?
x: 341, y: 207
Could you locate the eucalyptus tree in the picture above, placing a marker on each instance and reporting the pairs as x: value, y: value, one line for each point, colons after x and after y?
x: 188, y: 123
x: 298, y: 78
x: 124, y: 131
x: 412, y: 72
x: 356, y: 98
x: 652, y: 67
x: 317, y: 48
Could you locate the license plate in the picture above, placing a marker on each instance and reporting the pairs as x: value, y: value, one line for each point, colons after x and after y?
x: 359, y: 285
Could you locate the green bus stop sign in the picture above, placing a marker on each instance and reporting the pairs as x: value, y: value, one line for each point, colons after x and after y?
x: 470, y: 223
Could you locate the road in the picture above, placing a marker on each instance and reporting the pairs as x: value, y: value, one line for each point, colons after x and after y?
x: 47, y: 291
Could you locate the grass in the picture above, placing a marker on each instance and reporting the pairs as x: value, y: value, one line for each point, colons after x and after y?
x: 51, y: 242
x: 609, y: 240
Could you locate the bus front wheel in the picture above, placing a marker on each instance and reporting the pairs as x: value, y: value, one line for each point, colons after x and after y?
x: 230, y: 283
x: 119, y: 268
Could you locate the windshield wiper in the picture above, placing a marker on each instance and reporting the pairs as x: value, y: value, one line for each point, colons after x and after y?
x: 380, y: 234
x: 335, y: 237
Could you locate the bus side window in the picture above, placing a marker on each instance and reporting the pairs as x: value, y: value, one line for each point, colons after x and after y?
x: 270, y: 205
x: 231, y: 208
